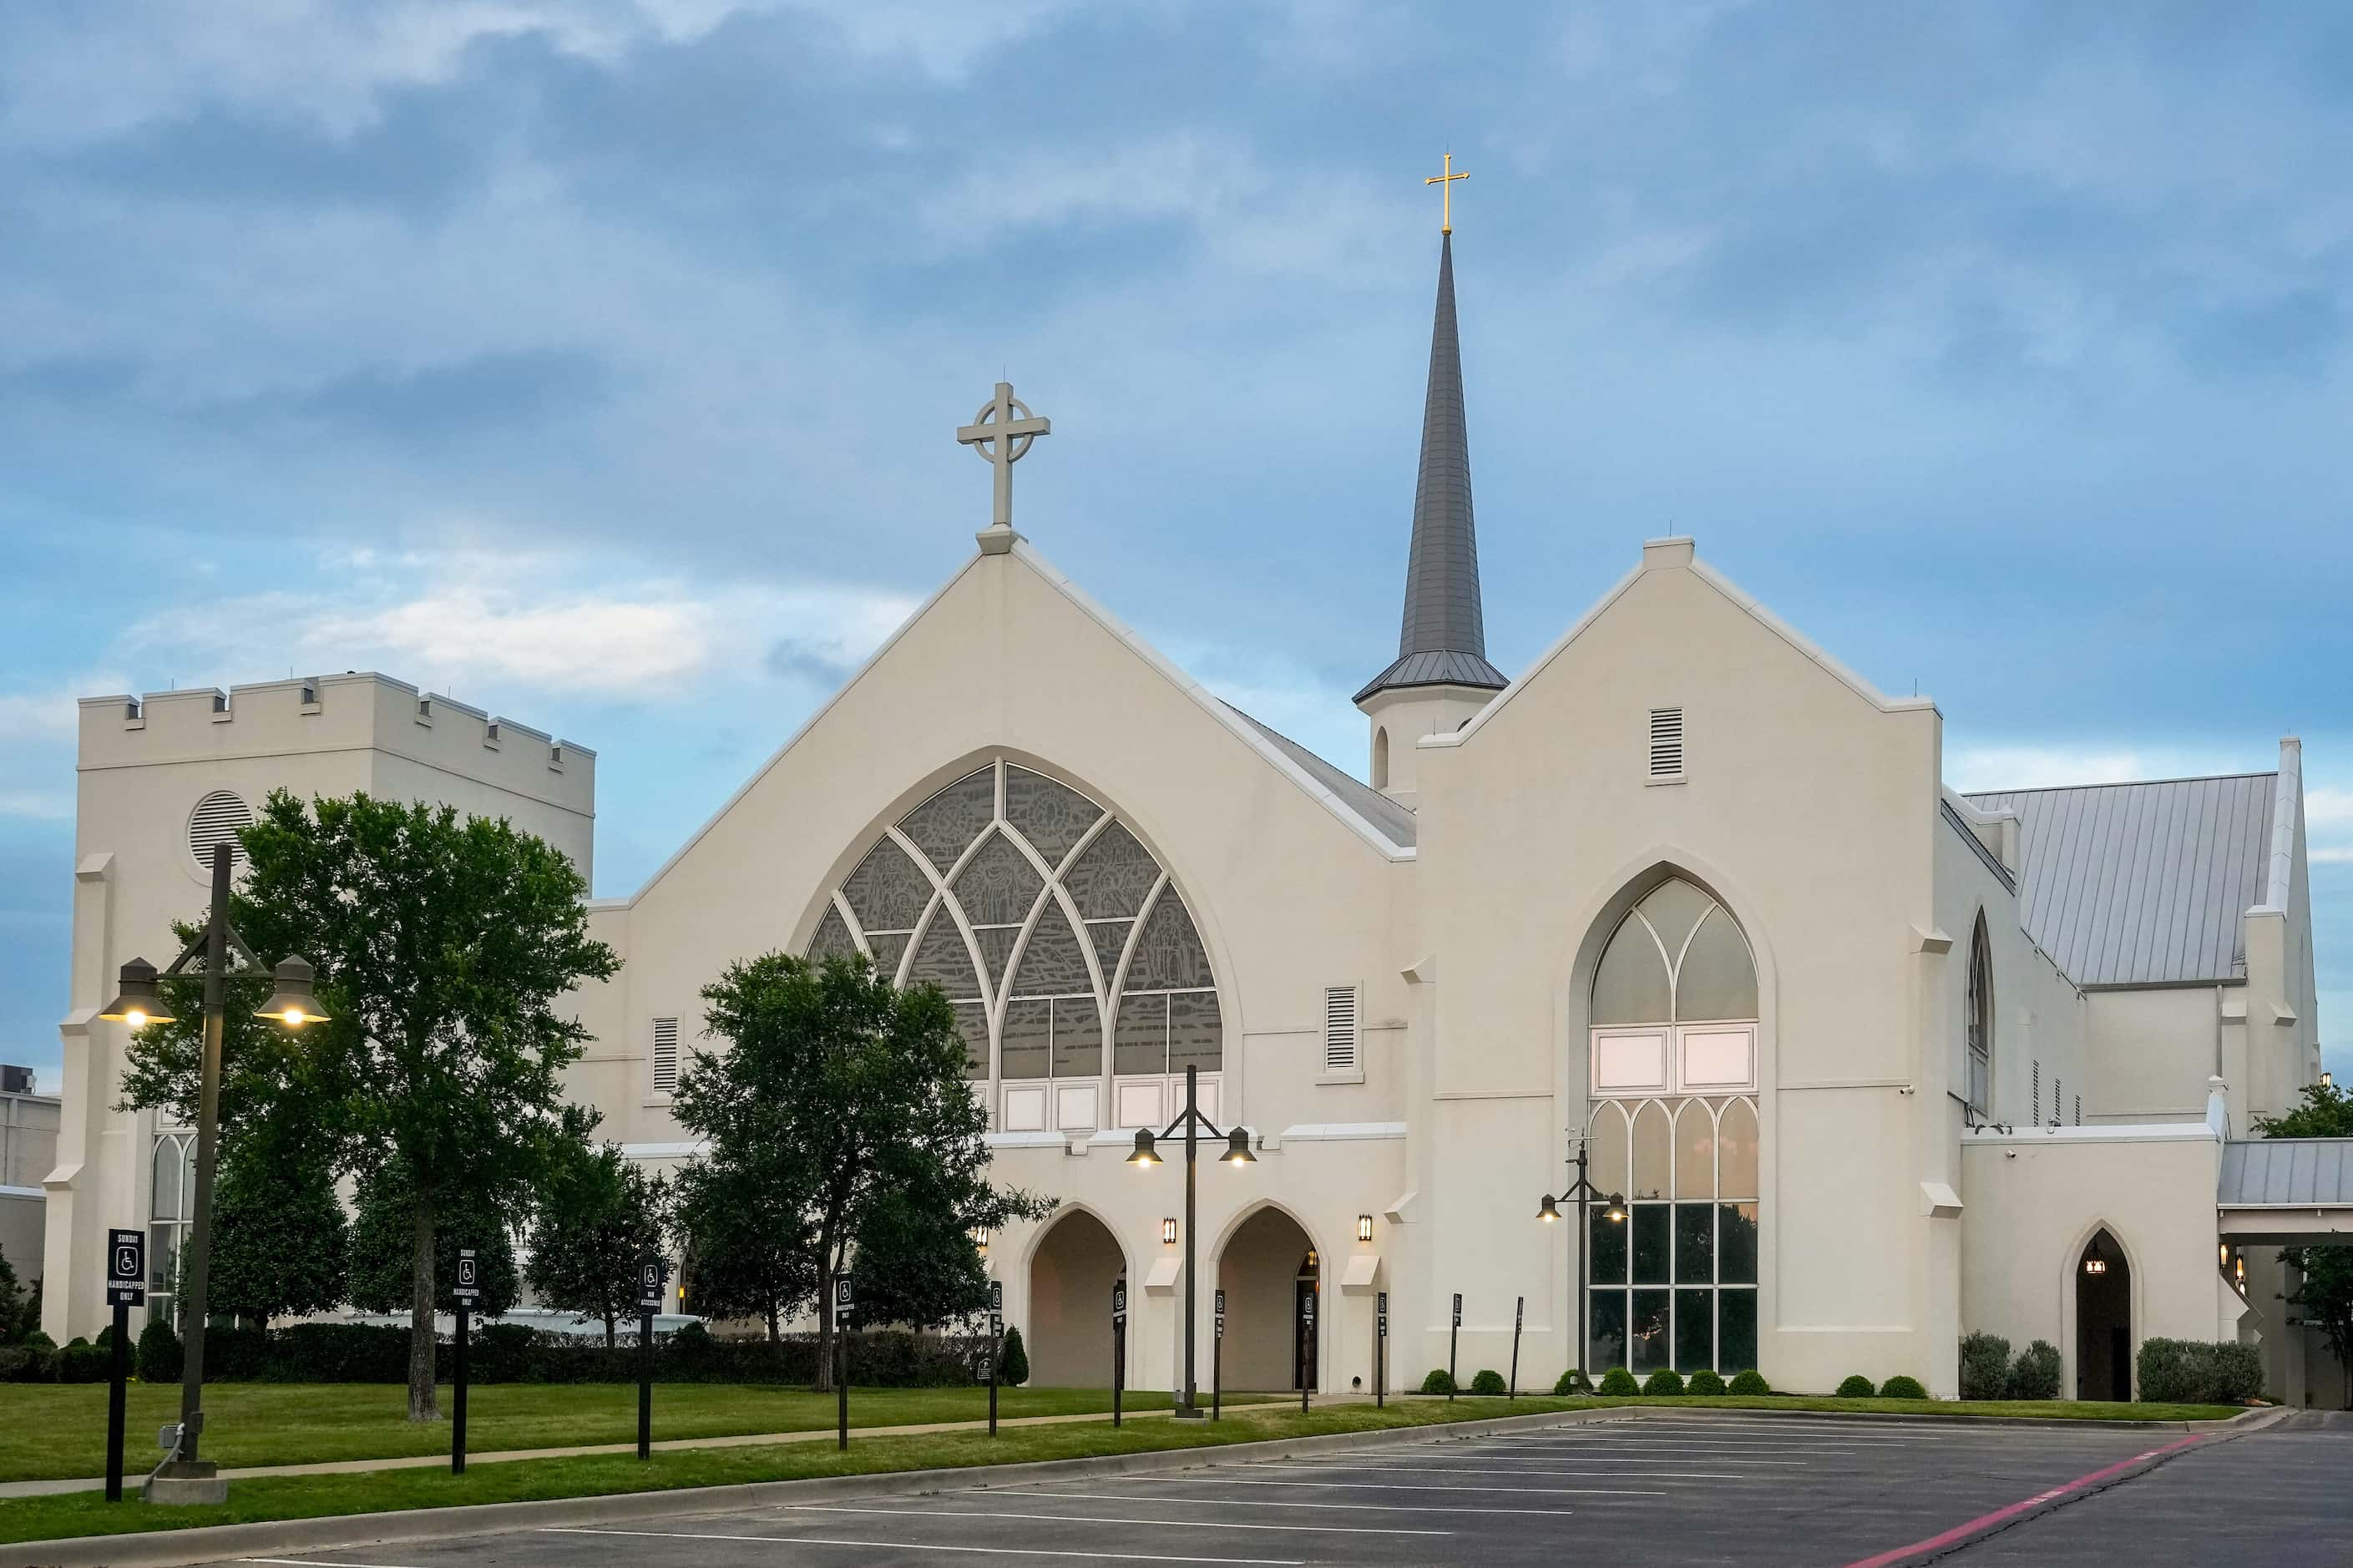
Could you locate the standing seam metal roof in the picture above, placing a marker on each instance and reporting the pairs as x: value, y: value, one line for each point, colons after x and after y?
x: 2286, y: 1170
x: 2142, y: 884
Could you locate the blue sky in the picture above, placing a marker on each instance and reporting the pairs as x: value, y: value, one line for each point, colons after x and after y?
x: 597, y: 360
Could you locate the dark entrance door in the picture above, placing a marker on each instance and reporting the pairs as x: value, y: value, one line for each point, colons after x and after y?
x: 2103, y: 1322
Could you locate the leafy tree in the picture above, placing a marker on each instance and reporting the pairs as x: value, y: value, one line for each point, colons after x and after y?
x: 916, y: 1266
x: 597, y: 1213
x: 20, y: 1310
x: 382, y: 1266
x: 2327, y: 1293
x: 747, y: 1246
x: 278, y: 1235
x: 442, y: 946
x: 839, y: 1090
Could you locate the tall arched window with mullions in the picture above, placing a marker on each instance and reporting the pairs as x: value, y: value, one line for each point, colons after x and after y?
x: 1673, y: 1047
x: 1977, y: 1022
x: 1056, y: 934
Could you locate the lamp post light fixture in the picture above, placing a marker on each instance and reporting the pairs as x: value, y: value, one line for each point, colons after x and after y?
x: 1237, y: 1153
x: 139, y: 1003
x: 1613, y: 1210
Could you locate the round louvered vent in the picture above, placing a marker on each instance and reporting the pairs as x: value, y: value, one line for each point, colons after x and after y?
x: 216, y: 820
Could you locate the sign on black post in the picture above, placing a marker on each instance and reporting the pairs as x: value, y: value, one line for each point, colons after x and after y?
x: 468, y: 1291
x: 996, y: 1344
x: 126, y: 1287
x: 1380, y: 1349
x: 1519, y: 1310
x: 1307, y: 1344
x: 1118, y: 1346
x: 652, y: 1273
x: 1217, y: 1361
x: 1453, y: 1333
x: 844, y: 1302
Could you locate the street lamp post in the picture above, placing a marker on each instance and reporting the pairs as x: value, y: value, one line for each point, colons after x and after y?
x: 184, y: 1478
x: 1237, y: 1153
x: 1582, y: 1191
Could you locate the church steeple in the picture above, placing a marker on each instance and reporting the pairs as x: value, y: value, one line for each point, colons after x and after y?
x: 1444, y: 639
x: 1441, y: 663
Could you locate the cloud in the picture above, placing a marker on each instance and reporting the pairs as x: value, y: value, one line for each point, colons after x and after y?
x: 51, y: 714
x: 479, y: 622
x: 1979, y: 769
x: 37, y: 805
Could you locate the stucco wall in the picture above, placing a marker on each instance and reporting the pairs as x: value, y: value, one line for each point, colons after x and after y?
x: 2035, y: 1198
x: 2152, y: 1051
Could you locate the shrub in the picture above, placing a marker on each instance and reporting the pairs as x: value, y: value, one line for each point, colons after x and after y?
x: 1439, y: 1381
x: 160, y: 1356
x: 1706, y: 1382
x: 1665, y: 1381
x: 26, y: 1363
x: 2192, y: 1371
x: 1751, y: 1384
x: 1619, y: 1383
x: 2036, y: 1375
x: 1985, y: 1366
x: 81, y: 1362
x: 1856, y: 1387
x: 1013, y: 1364
x: 1489, y: 1380
x: 1902, y: 1387
x: 1573, y: 1382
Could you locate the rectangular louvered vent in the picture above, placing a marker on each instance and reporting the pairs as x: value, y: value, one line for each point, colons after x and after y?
x: 1340, y: 1029
x: 665, y: 1055
x: 1666, y: 742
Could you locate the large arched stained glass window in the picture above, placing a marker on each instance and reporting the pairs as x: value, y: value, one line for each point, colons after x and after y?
x: 1673, y: 1015
x: 1053, y: 931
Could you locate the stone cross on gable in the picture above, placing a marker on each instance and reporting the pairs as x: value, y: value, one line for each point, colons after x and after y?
x: 1001, y: 433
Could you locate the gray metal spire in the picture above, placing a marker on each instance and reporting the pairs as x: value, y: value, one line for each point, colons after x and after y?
x: 1443, y: 641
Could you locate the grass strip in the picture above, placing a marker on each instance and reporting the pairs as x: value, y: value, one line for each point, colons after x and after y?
x: 315, y: 1497
x: 57, y: 1431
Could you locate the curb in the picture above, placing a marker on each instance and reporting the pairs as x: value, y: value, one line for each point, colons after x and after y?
x: 207, y: 1544
x: 2052, y: 1422
x: 1940, y: 1547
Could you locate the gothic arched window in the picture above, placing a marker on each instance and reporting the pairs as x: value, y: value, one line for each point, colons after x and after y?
x: 1674, y: 1128
x: 1977, y: 1022
x: 1053, y: 931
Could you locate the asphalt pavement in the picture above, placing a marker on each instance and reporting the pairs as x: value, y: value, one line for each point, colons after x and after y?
x: 1663, y: 1489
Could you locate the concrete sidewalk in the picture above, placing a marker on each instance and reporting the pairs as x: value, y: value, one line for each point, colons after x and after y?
x: 500, y: 1455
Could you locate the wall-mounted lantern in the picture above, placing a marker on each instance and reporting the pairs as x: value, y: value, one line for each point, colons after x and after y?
x: 1168, y: 1231
x: 1363, y: 1227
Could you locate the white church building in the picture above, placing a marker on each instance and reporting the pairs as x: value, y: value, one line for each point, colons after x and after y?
x: 1873, y: 1064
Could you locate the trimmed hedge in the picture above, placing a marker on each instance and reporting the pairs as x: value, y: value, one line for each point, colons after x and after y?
x: 82, y: 1361
x: 1573, y: 1382
x: 1706, y: 1382
x: 2193, y: 1372
x: 1665, y: 1381
x: 1013, y: 1363
x: 1902, y: 1387
x: 1489, y: 1380
x: 1439, y: 1381
x: 1619, y: 1383
x: 1857, y: 1386
x: 2036, y: 1373
x: 512, y: 1352
x: 1751, y: 1384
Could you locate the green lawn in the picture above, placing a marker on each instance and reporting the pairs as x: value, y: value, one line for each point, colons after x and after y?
x: 56, y: 1431
x: 309, y: 1497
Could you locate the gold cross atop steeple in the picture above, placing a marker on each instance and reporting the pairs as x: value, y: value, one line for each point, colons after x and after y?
x: 1445, y: 182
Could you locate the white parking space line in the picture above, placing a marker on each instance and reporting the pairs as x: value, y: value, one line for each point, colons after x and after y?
x: 917, y: 1546
x: 1513, y: 1467
x: 1412, y: 1487
x: 1482, y: 1509
x: 1538, y: 1452
x: 313, y: 1562
x: 1099, y: 1518
x: 1473, y: 1470
x: 1599, y: 1441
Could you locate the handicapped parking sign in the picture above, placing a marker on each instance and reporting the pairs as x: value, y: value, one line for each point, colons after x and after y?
x: 126, y: 1268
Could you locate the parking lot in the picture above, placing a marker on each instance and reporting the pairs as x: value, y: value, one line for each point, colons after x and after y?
x: 1697, y: 1488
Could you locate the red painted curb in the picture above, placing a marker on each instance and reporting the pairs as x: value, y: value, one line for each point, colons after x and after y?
x: 1984, y: 1522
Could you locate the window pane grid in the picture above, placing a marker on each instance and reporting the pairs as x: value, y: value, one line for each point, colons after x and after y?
x: 1674, y: 1283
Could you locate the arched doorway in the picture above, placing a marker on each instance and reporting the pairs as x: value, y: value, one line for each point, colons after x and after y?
x: 1071, y: 1275
x: 2103, y: 1321
x: 1269, y: 1271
